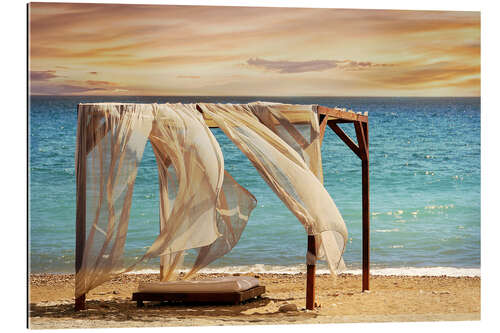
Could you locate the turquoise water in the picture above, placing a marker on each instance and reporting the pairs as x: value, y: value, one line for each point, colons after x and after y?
x: 425, y: 186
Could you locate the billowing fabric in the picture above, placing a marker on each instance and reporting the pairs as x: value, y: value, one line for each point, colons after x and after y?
x: 115, y: 140
x: 201, y: 206
x: 179, y: 137
x: 299, y: 128
x: 267, y: 137
x: 234, y: 206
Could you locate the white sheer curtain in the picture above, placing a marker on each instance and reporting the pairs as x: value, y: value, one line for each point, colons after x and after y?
x: 201, y: 206
x: 290, y: 162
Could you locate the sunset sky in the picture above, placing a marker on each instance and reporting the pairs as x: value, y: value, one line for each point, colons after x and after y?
x: 96, y: 49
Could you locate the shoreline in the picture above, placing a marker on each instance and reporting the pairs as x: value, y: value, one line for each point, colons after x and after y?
x: 340, y: 300
x: 322, y: 270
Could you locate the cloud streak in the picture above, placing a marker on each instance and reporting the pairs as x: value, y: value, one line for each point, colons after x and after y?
x: 287, y: 66
x: 62, y: 89
x: 441, y: 73
x: 101, y: 83
x: 41, y: 85
x: 42, y: 75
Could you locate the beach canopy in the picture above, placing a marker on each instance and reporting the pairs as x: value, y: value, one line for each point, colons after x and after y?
x: 201, y: 206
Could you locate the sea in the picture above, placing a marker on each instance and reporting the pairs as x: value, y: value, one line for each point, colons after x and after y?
x: 425, y: 156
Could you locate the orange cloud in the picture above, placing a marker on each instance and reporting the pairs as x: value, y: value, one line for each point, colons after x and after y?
x: 422, y: 75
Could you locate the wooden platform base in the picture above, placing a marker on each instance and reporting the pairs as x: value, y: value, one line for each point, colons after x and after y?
x: 235, y: 297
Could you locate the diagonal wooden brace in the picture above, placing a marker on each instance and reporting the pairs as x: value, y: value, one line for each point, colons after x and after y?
x: 344, y: 137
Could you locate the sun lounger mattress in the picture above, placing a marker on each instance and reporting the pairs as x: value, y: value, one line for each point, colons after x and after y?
x: 216, y: 285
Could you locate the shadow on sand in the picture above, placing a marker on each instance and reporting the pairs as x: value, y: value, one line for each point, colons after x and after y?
x: 126, y: 310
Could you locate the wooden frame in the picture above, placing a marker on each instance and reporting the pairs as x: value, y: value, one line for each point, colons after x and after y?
x: 233, y: 297
x: 327, y: 116
x: 332, y: 117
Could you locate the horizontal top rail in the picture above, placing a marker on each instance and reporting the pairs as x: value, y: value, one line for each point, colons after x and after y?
x: 295, y: 113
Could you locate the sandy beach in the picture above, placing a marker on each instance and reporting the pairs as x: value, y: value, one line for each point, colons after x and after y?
x: 339, y: 300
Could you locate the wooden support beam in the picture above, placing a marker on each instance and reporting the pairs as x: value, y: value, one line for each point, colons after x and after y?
x: 311, y: 272
x: 365, y: 165
x: 81, y: 204
x: 347, y: 140
x: 342, y: 114
x: 340, y: 121
x: 360, y: 135
x: 362, y: 150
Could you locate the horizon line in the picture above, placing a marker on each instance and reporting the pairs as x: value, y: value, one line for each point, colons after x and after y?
x: 273, y: 96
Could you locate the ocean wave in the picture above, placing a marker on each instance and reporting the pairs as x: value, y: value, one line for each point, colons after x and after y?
x: 400, y: 212
x: 422, y: 271
x: 394, y: 271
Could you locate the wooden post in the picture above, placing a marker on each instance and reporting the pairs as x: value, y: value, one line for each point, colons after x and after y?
x: 161, y: 257
x: 161, y: 268
x: 311, y: 271
x: 365, y: 164
x: 362, y: 136
x: 81, y: 204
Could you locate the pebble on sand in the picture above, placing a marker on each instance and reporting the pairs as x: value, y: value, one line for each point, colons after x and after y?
x: 288, y: 307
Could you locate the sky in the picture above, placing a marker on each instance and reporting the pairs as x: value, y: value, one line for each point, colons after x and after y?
x: 167, y: 50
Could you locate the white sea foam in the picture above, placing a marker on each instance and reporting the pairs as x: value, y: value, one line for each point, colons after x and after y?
x: 387, y: 230
x: 399, y: 271
x: 422, y: 271
x: 440, y: 206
